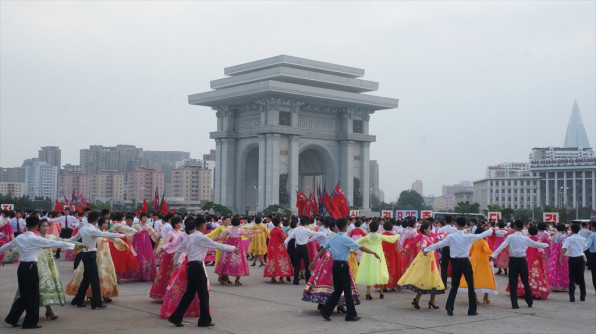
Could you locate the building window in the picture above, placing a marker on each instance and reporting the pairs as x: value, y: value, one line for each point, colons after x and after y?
x: 357, y: 126
x: 285, y: 118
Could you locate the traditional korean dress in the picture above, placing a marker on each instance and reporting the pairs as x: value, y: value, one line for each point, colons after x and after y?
x: 230, y: 263
x: 141, y: 243
x: 177, y: 287
x: 108, y: 282
x: 124, y: 257
x: 258, y: 243
x: 502, y: 260
x: 423, y: 275
x: 51, y: 290
x: 6, y: 229
x: 537, y: 274
x: 278, y: 262
x: 357, y: 233
x: 393, y: 260
x: 409, y: 247
x: 558, y: 273
x: 166, y: 268
x: 320, y: 285
x: 484, y: 278
x: 372, y: 271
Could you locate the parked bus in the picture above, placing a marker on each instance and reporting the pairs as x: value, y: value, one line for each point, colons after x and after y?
x: 455, y: 215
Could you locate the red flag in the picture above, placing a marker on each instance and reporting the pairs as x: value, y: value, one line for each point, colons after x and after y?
x: 74, y: 198
x: 340, y: 201
x: 156, y: 201
x: 78, y: 208
x: 66, y: 203
x: 165, y: 207
x: 331, y: 209
x: 57, y: 206
x: 313, y: 205
x: 145, y: 207
x: 83, y: 201
x: 301, y: 204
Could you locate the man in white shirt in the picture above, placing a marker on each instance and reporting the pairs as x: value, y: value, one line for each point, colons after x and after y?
x: 196, y: 246
x: 573, y: 248
x: 459, y: 250
x: 301, y: 235
x: 445, y: 258
x: 28, y: 245
x: 269, y: 222
x: 518, y: 266
x: 18, y: 223
x: 88, y: 233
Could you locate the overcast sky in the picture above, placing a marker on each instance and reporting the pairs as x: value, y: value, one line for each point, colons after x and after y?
x: 478, y: 83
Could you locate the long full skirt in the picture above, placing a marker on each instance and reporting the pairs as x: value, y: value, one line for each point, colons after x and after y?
x: 423, y: 275
x: 232, y: 264
x: 174, y: 292
x: 141, y: 243
x: 320, y: 285
x: 162, y: 279
x: 558, y: 274
x: 278, y: 262
x: 124, y: 260
x: 108, y: 283
x: 8, y: 236
x: 537, y: 277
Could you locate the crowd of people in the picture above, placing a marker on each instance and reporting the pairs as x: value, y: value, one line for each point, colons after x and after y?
x: 331, y: 256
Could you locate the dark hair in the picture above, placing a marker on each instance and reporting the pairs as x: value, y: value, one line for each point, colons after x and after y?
x: 584, y: 224
x: 479, y: 230
x: 533, y: 230
x: 473, y: 220
x: 235, y: 221
x: 461, y: 221
x: 357, y: 223
x: 32, y: 221
x: 518, y: 224
x: 341, y: 223
x: 331, y: 223
x: 177, y: 220
x: 101, y: 220
x: 424, y: 226
x: 373, y: 226
x: 104, y: 212
x: 561, y: 227
x: 143, y: 215
x: 43, y: 220
x: 593, y: 224
x: 93, y: 216
x: 542, y: 226
x: 501, y: 224
x: 448, y: 219
x: 575, y: 228
x: 387, y: 226
x: 190, y: 225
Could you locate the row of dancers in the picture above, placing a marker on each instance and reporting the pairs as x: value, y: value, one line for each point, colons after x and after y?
x: 422, y: 275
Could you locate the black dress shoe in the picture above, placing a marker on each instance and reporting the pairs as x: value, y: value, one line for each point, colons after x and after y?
x: 475, y: 313
x: 353, y: 319
x: 296, y: 283
x: 99, y: 306
x: 13, y: 324
x: 326, y: 317
x: 449, y: 311
x: 177, y: 324
x: 32, y: 327
x: 515, y: 307
x: 80, y: 305
x: 530, y: 305
x: 206, y: 325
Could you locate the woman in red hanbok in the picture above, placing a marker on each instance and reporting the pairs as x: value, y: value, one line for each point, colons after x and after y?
x: 392, y: 258
x: 166, y: 268
x: 6, y: 236
x: 278, y: 262
x: 125, y: 261
x: 537, y: 271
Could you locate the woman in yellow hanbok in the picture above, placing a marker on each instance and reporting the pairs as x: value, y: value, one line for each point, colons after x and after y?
x: 484, y: 278
x: 258, y: 243
x: 225, y: 224
x: 423, y: 275
x: 371, y: 270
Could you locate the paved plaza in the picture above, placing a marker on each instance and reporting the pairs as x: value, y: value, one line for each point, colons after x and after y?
x: 262, y: 307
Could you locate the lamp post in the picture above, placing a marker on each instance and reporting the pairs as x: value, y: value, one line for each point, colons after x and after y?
x: 257, y: 199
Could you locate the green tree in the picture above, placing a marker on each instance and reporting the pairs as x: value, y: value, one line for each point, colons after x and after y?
x: 467, y: 207
x: 277, y: 210
x: 221, y: 209
x: 522, y: 214
x: 507, y: 214
x: 208, y: 206
x: 410, y: 199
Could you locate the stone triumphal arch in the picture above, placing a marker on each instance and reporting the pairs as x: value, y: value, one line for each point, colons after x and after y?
x: 285, y: 123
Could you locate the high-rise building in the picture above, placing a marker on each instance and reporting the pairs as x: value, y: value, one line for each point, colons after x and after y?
x: 41, y: 180
x: 78, y: 182
x: 164, y: 161
x: 452, y: 189
x: 107, y: 186
x: 12, y: 174
x: 509, y: 185
x: 14, y: 189
x: 142, y: 182
x: 417, y: 186
x: 50, y: 154
x: 576, y: 133
x: 374, y: 178
x: 120, y: 158
x: 193, y: 183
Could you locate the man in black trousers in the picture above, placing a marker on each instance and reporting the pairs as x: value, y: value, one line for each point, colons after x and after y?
x: 518, y: 266
x: 196, y: 246
x: 459, y: 248
x: 88, y: 233
x: 301, y: 235
x: 28, y: 245
x: 445, y: 257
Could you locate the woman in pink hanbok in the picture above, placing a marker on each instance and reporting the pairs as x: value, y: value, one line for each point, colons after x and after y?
x: 177, y: 285
x: 230, y: 263
x: 166, y: 268
x: 141, y: 243
x: 6, y: 235
x: 537, y: 271
x: 502, y: 260
x: 544, y: 236
x: 558, y: 271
